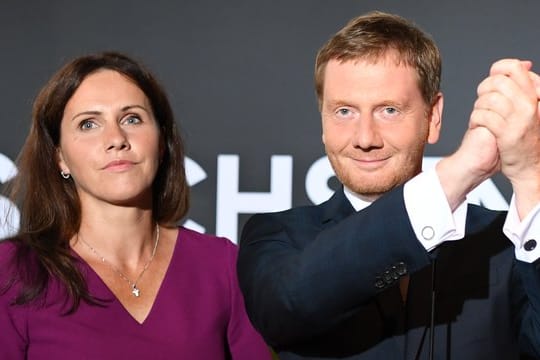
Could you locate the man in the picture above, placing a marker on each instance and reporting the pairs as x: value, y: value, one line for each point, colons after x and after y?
x: 396, y: 265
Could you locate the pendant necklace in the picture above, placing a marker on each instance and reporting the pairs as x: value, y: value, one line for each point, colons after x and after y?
x: 133, y: 284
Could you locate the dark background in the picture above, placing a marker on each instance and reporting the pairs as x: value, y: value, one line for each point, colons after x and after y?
x: 240, y: 73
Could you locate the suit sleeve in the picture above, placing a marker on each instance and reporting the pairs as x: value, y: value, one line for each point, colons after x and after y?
x: 294, y: 291
x: 526, y: 281
x: 526, y: 297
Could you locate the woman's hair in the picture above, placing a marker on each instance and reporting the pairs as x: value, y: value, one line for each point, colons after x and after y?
x: 49, y: 204
x: 371, y: 37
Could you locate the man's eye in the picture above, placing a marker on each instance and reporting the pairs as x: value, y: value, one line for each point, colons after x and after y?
x: 344, y: 112
x: 390, y: 110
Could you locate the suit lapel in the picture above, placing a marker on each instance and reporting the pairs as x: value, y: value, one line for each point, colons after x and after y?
x: 336, y: 208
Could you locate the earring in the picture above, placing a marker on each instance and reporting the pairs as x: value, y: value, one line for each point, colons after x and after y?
x: 65, y: 175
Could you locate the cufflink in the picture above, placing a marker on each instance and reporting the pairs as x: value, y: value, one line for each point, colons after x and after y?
x: 529, y: 245
x: 428, y: 233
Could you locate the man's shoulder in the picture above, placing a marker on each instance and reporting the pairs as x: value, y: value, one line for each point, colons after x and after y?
x: 306, y: 219
x: 299, y: 213
x: 315, y: 212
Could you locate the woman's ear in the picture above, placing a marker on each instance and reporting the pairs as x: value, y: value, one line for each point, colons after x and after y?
x: 64, y: 168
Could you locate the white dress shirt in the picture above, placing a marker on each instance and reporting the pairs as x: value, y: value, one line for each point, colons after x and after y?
x: 434, y: 223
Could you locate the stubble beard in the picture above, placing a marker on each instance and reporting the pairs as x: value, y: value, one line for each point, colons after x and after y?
x: 372, y: 186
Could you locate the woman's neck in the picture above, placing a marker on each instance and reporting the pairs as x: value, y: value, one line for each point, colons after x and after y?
x: 122, y: 235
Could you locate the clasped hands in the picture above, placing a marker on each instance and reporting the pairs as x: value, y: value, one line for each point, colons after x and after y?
x: 504, y: 130
x: 503, y: 134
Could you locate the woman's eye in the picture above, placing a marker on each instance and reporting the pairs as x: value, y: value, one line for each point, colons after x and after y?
x: 87, y: 124
x: 132, y: 119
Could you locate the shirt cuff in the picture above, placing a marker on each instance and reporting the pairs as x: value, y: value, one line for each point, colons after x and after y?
x: 429, y: 212
x: 525, y: 235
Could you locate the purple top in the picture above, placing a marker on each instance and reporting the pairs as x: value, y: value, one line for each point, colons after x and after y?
x: 198, y: 313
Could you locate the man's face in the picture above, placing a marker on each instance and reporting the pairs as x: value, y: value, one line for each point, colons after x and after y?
x: 376, y: 123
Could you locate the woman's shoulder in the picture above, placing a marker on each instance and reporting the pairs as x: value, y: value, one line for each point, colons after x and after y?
x: 8, y: 248
x: 206, y: 246
x: 208, y: 241
x: 8, y: 265
x: 15, y: 258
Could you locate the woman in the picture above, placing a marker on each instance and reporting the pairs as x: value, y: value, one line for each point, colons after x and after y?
x: 99, y: 269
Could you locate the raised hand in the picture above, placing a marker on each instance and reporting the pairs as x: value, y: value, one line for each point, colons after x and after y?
x: 507, y: 106
x: 476, y: 159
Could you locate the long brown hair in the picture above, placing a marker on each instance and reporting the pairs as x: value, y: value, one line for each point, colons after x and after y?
x: 49, y: 205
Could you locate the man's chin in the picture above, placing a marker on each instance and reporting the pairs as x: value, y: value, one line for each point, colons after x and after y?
x: 368, y: 193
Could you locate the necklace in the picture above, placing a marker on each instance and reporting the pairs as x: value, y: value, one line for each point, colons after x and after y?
x: 133, y: 284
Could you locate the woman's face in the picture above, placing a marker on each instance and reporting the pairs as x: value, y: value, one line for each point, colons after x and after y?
x: 110, y: 141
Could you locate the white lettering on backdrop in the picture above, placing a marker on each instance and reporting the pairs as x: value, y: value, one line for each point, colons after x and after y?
x: 230, y: 201
x: 9, y: 214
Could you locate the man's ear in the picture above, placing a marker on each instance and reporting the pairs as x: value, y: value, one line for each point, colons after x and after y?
x: 435, y: 119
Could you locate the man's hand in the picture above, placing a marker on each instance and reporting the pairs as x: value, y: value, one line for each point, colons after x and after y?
x: 507, y: 106
x: 476, y: 160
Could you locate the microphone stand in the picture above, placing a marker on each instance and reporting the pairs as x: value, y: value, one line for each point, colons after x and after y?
x: 432, y: 319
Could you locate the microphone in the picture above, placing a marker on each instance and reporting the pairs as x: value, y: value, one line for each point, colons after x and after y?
x: 432, y: 315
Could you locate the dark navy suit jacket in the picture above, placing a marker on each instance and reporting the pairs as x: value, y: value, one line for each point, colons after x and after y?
x: 321, y: 282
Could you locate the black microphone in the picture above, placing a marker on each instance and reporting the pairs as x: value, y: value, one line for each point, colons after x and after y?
x: 432, y: 318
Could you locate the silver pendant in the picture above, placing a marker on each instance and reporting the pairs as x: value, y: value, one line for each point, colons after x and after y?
x: 136, y: 292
